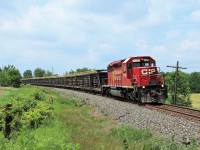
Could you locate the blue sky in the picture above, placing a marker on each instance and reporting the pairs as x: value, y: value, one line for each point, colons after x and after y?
x: 71, y: 34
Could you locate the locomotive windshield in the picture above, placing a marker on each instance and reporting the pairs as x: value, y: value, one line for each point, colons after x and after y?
x: 142, y: 63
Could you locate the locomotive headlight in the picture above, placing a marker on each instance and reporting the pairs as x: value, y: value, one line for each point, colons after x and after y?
x: 162, y: 85
x: 143, y: 87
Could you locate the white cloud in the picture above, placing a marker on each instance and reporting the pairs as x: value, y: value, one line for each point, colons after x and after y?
x: 159, y: 12
x: 195, y: 15
x: 173, y: 34
x: 160, y: 49
x: 189, y: 44
x: 102, y: 50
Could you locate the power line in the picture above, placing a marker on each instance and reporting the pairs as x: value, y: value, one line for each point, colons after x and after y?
x: 176, y: 80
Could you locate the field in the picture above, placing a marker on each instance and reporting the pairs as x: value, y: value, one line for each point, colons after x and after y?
x: 74, y: 125
x: 195, y: 100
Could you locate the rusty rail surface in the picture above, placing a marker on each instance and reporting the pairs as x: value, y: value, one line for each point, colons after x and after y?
x: 184, y: 112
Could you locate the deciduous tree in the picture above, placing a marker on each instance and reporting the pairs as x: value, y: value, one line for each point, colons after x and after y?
x: 10, y: 76
x: 27, y: 74
x: 14, y: 77
x: 38, y: 72
x: 194, y: 80
x: 48, y: 73
x: 84, y: 69
x: 183, y: 89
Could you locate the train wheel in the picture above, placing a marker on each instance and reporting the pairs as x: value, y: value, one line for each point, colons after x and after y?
x: 107, y: 92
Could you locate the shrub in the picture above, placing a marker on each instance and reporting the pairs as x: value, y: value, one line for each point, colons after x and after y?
x: 29, y: 108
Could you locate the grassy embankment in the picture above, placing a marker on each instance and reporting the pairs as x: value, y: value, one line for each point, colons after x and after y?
x: 195, y: 100
x: 77, y: 125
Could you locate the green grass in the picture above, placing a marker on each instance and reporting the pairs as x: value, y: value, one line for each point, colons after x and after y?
x: 2, y: 92
x: 77, y: 125
x: 195, y: 100
x: 88, y: 131
x: 5, y: 90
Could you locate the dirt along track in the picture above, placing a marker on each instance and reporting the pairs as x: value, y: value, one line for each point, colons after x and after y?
x: 138, y: 116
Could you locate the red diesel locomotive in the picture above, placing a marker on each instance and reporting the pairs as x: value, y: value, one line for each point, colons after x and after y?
x: 134, y: 78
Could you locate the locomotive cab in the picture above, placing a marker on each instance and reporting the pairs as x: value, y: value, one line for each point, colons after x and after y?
x: 142, y: 74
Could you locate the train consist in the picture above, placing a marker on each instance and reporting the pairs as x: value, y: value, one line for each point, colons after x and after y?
x: 134, y: 78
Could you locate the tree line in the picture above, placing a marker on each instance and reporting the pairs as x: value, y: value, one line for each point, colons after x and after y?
x: 84, y: 69
x: 11, y: 77
x: 38, y: 72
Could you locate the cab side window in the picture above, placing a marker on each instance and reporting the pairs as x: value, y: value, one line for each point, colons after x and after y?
x: 153, y: 64
x: 136, y: 64
x: 129, y: 66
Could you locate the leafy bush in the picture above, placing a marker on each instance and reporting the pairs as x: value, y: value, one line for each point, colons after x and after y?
x: 10, y: 76
x: 35, y: 123
x: 181, y: 100
x: 29, y: 108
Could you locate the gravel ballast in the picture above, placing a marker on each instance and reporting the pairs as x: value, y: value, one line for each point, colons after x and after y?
x: 139, y: 117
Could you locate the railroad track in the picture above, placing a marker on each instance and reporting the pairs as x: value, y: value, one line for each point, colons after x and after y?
x: 184, y: 112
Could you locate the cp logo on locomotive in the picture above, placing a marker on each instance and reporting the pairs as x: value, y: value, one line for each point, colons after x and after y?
x: 148, y: 71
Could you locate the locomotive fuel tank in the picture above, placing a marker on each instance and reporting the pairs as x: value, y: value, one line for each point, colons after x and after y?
x: 117, y: 93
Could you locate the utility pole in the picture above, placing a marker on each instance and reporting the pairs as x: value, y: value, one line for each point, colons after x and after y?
x: 176, y: 80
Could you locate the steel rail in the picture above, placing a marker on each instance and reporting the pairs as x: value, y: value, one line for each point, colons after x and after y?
x: 180, y: 111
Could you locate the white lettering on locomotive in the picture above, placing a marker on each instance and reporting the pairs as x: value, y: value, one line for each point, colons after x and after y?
x: 148, y: 71
x: 117, y: 78
x: 117, y: 72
